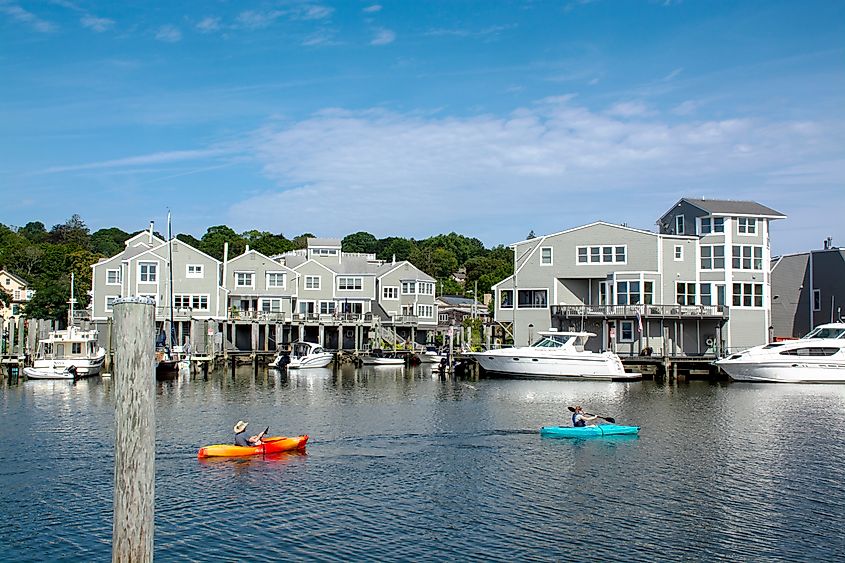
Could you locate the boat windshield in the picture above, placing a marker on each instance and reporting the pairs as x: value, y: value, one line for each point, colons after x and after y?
x: 553, y: 341
x: 829, y: 332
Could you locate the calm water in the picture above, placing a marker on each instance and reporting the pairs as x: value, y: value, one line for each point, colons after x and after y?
x: 402, y: 466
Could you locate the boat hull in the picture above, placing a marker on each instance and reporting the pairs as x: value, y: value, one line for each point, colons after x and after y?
x: 372, y: 361
x: 311, y: 361
x: 593, y: 367
x: 588, y: 431
x: 84, y: 367
x: 781, y: 372
x: 274, y: 444
x: 36, y: 373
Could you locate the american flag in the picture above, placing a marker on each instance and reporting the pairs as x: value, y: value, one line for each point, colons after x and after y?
x: 639, y: 322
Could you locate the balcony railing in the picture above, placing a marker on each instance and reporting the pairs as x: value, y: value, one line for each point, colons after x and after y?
x: 645, y: 311
x: 257, y: 316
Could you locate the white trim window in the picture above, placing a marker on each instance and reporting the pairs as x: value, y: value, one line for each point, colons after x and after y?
x: 712, y: 225
x: 532, y: 298
x: 390, y: 292
x: 705, y: 294
x: 679, y: 224
x: 327, y: 307
x: 626, y: 331
x: 194, y: 271
x: 602, y: 255
x: 634, y: 292
x: 197, y: 302
x: 324, y: 251
x: 409, y: 288
x: 110, y: 299
x: 113, y: 277
x: 685, y: 293
x: 546, y: 256
x: 747, y: 257
x: 425, y: 311
x: 505, y: 299
x: 275, y: 280
x: 245, y: 279
x: 425, y: 288
x: 746, y: 226
x: 271, y: 305
x: 713, y: 257
x: 306, y: 307
x: 679, y: 253
x: 748, y: 295
x: 443, y: 317
x: 147, y: 272
x: 345, y: 283
x: 312, y: 282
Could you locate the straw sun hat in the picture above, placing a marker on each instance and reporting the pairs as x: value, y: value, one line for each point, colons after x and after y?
x: 240, y: 426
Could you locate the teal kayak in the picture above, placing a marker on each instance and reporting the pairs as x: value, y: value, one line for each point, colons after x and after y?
x: 587, y: 431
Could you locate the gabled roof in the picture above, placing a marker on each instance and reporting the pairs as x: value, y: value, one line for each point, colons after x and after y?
x: 15, y: 277
x: 268, y: 258
x: 323, y: 242
x: 587, y: 226
x: 733, y: 207
x: 456, y: 301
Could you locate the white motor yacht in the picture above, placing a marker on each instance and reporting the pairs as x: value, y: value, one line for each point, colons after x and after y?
x: 67, y: 354
x: 555, y: 355
x: 818, y: 357
x: 303, y: 355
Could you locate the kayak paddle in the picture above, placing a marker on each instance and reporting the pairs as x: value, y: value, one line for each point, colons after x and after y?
x: 610, y: 419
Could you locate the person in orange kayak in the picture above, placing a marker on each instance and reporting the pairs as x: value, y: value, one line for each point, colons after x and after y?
x: 580, y: 418
x: 241, y: 438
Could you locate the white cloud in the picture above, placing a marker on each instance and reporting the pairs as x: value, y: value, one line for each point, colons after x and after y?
x: 629, y: 109
x: 685, y: 108
x: 320, y: 38
x: 252, y: 19
x: 383, y: 37
x: 672, y: 75
x: 550, y: 166
x: 311, y: 12
x: 208, y: 24
x: 169, y: 34
x: 96, y: 24
x: 24, y: 16
x: 373, y: 9
x: 167, y: 157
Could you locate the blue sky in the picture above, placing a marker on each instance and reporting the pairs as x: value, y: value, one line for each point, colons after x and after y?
x: 411, y: 118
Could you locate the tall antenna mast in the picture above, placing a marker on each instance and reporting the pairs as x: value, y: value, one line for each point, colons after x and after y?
x: 170, y: 266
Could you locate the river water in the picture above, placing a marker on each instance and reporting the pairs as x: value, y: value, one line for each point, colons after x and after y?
x: 403, y: 466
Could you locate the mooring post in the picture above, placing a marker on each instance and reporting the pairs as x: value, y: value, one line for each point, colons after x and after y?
x: 134, y: 442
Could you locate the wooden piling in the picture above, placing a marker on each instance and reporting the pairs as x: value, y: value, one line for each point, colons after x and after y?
x: 134, y: 450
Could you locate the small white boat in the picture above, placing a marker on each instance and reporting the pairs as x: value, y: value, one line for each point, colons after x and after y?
x: 556, y: 355
x: 381, y: 361
x: 431, y: 355
x: 818, y: 357
x: 303, y: 355
x: 70, y: 350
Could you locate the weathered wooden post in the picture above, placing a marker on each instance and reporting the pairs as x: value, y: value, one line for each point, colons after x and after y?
x: 134, y: 443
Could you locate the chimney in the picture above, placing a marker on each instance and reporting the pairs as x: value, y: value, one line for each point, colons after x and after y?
x: 152, y: 224
x: 247, y: 248
x: 828, y: 243
x: 394, y: 259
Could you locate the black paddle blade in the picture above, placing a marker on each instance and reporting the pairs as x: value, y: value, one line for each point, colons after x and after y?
x: 266, y: 430
x: 610, y: 419
x: 571, y: 409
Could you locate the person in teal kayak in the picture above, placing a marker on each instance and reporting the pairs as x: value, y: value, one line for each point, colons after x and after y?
x: 580, y: 418
x: 241, y: 438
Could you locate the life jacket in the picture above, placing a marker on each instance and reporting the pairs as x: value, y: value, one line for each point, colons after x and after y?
x: 577, y: 423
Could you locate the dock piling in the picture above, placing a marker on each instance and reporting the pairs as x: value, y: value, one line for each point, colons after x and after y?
x: 134, y: 451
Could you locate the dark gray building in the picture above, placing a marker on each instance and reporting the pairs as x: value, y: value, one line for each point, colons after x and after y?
x: 808, y: 289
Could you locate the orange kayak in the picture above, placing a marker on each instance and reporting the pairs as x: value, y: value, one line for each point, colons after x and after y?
x: 271, y: 445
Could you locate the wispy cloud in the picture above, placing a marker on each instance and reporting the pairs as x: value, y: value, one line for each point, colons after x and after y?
x: 208, y: 24
x: 629, y: 109
x: 371, y: 163
x: 311, y: 12
x: 672, y: 74
x: 383, y: 37
x: 169, y: 34
x: 487, y: 32
x: 253, y: 19
x: 322, y: 37
x: 167, y: 157
x: 23, y: 16
x: 96, y: 24
x: 373, y: 8
x: 685, y: 108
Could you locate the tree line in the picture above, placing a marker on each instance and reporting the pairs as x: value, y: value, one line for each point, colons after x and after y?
x: 46, y: 258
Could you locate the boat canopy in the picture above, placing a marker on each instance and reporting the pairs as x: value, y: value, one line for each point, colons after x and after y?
x: 829, y: 331
x: 305, y: 348
x: 560, y: 339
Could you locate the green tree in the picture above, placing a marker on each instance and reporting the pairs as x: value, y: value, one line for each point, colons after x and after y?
x: 189, y: 239
x: 400, y: 248
x: 301, y: 241
x: 360, y: 242
x: 108, y: 242
x: 449, y: 286
x: 267, y: 243
x: 214, y: 239
x: 73, y: 231
x: 34, y: 231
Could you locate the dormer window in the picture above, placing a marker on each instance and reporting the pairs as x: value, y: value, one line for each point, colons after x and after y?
x: 712, y: 225
x: 746, y: 225
x: 679, y: 224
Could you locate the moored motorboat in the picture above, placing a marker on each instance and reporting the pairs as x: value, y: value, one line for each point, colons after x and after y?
x: 818, y: 357
x: 555, y: 355
x: 67, y: 354
x: 588, y: 431
x: 381, y: 361
x: 271, y: 445
x: 302, y: 355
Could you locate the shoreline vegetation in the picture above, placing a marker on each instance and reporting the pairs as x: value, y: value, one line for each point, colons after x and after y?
x: 46, y: 258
